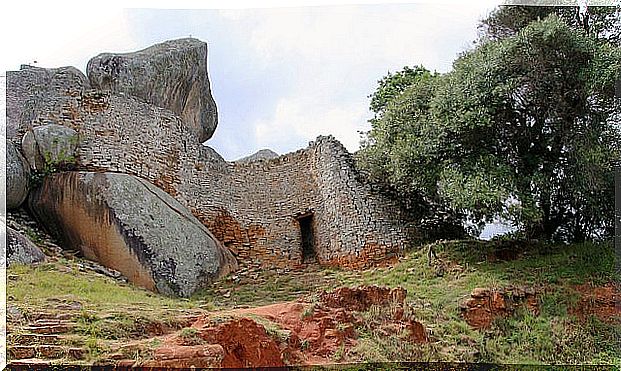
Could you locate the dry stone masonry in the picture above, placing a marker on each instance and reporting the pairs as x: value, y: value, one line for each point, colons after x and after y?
x: 305, y: 206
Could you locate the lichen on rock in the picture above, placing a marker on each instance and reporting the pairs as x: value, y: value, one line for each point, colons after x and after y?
x: 21, y: 250
x: 50, y: 146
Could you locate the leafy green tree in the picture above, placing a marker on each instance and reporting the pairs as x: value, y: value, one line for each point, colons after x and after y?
x: 601, y: 22
x: 401, y: 103
x: 393, y: 84
x: 522, y: 127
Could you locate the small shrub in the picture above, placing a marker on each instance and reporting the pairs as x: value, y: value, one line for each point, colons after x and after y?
x: 339, y: 353
x: 34, y: 237
x: 155, y: 343
x: 94, y: 348
x: 304, y: 345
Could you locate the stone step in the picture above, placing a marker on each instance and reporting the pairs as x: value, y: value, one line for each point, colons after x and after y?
x: 54, y: 316
x: 76, y: 353
x: 59, y: 328
x: 34, y: 339
x: 51, y: 351
x: 36, y: 362
x: 51, y: 322
x: 19, y: 352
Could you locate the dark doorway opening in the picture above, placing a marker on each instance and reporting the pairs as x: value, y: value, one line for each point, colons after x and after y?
x: 308, y: 239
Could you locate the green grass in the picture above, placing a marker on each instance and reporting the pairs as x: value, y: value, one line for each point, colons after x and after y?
x: 532, y: 339
x: 64, y: 280
x: 542, y: 263
x: 112, y: 312
x: 272, y: 329
x: 190, y: 336
x: 271, y: 287
x: 553, y: 337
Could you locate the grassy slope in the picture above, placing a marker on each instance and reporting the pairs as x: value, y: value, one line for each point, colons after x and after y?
x: 113, y: 311
x: 553, y: 337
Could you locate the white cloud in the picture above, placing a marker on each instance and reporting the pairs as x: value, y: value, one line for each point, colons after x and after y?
x: 302, y: 120
x: 321, y: 62
x: 332, y: 58
x: 54, y: 35
x: 388, y: 35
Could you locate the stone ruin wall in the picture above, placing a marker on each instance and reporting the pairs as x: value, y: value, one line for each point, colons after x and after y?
x: 257, y: 221
x: 351, y: 226
x: 252, y: 208
x: 362, y: 226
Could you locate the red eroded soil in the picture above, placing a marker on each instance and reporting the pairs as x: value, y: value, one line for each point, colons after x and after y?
x: 319, y: 329
x: 484, y: 305
x: 179, y: 356
x: 245, y: 344
x: 235, y: 343
x: 361, y: 298
x: 314, y: 331
x: 603, y: 302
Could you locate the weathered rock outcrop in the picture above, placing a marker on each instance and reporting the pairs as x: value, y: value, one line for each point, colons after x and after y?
x: 17, y: 177
x: 171, y: 75
x: 37, y: 96
x: 129, y: 225
x: 264, y: 212
x: 19, y: 249
x: 263, y: 154
x: 50, y: 145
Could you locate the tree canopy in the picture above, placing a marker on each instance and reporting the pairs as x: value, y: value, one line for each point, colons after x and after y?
x: 523, y: 127
x: 601, y: 22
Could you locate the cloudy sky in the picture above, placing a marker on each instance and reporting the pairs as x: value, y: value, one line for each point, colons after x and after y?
x: 280, y: 76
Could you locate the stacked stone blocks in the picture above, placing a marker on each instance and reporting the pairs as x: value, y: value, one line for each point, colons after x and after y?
x: 251, y: 207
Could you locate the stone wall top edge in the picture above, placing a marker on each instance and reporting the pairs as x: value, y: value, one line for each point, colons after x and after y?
x: 29, y: 68
x: 320, y: 141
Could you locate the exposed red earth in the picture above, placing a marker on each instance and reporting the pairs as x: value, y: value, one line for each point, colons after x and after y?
x: 310, y: 331
x: 603, y: 302
x: 485, y: 305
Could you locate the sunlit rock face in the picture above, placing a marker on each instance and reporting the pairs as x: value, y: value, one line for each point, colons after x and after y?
x: 171, y: 75
x: 129, y: 225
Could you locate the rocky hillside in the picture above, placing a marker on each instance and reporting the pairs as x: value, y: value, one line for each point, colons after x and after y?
x: 112, y: 165
x: 130, y: 243
x: 558, y: 307
x: 57, y: 122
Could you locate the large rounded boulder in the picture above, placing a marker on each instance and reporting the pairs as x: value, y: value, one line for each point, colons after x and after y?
x: 129, y: 225
x: 17, y: 177
x: 171, y: 75
x: 20, y: 250
x: 38, y: 96
x: 263, y: 154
